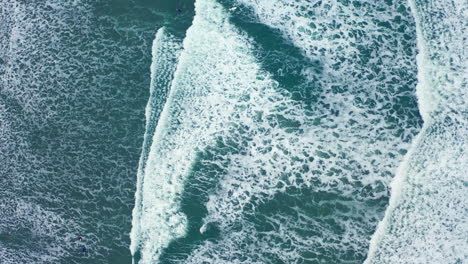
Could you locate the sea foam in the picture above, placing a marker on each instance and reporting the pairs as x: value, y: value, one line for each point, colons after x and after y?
x: 426, y: 219
x: 291, y: 179
x: 165, y: 52
x: 72, y: 96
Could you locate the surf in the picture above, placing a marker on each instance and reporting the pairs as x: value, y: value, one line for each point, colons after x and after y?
x: 325, y: 172
x: 424, y: 221
x: 266, y: 131
x: 165, y: 53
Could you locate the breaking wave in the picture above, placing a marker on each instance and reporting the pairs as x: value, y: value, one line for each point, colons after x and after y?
x: 281, y: 133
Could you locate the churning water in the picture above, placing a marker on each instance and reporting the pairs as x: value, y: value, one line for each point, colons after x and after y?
x: 277, y: 131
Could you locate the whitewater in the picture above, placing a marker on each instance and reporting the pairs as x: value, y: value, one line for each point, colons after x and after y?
x: 72, y: 119
x: 426, y: 218
x: 233, y: 131
x: 287, y: 128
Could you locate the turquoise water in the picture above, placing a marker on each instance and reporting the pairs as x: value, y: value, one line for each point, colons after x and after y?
x: 265, y: 131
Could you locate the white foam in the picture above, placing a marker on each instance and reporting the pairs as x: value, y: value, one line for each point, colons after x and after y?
x: 220, y: 93
x: 48, y: 241
x: 62, y: 62
x: 426, y: 219
x: 32, y: 68
x: 425, y: 222
x: 442, y: 65
x: 203, y: 97
x: 347, y: 157
x: 31, y: 231
x: 165, y: 52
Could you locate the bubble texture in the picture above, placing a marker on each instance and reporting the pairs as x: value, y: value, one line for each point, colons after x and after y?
x: 73, y: 85
x: 257, y: 168
x: 426, y: 219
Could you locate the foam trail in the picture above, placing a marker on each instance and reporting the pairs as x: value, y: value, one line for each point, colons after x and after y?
x: 426, y: 219
x: 165, y: 53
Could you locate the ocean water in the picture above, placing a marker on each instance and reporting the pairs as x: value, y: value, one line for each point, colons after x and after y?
x: 426, y: 219
x: 233, y: 131
x: 74, y: 78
